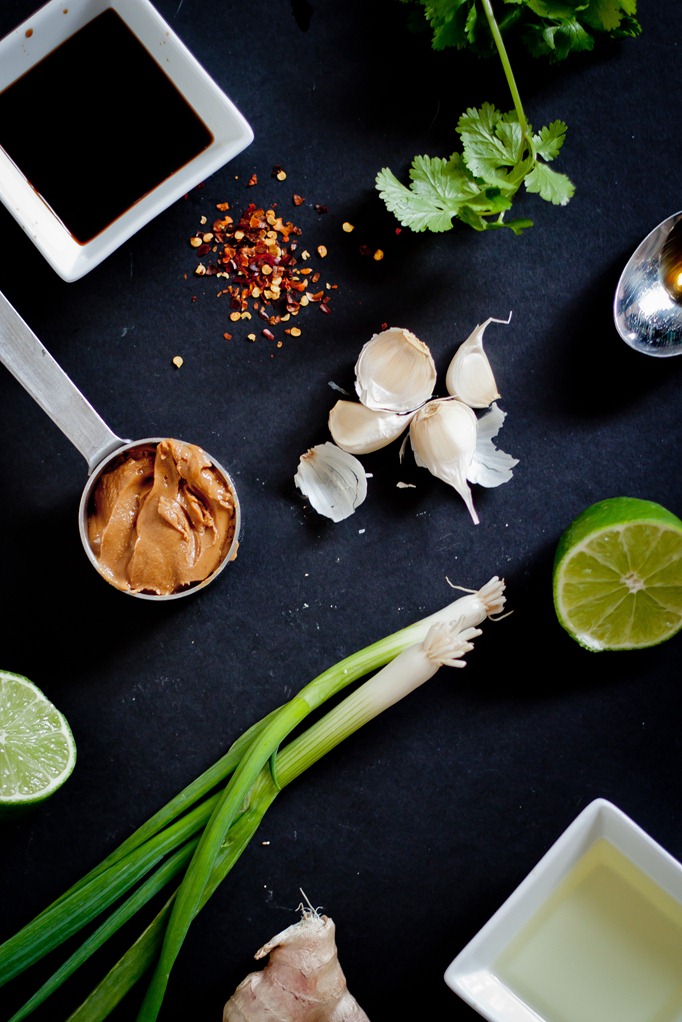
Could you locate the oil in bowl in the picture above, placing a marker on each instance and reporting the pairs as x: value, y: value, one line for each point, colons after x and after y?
x: 592, y: 934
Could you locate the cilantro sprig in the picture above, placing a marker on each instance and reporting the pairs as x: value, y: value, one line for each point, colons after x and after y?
x: 500, y: 152
x: 478, y: 185
x: 546, y: 28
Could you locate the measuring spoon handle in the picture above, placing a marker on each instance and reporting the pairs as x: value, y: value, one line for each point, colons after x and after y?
x: 41, y: 375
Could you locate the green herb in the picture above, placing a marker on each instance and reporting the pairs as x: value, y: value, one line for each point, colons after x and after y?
x: 545, y: 28
x: 500, y: 152
x: 202, y: 832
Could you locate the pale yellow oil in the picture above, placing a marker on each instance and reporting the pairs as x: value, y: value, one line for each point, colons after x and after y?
x: 605, y: 947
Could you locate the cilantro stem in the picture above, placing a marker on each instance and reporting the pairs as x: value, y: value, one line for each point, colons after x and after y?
x: 506, y: 65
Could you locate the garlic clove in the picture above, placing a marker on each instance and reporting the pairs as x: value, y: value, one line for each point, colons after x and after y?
x: 443, y: 438
x: 395, y: 371
x: 470, y: 377
x: 489, y: 466
x: 333, y: 480
x: 361, y: 430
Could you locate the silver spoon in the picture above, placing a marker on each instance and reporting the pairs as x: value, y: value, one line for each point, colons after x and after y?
x: 647, y: 307
x: 32, y: 365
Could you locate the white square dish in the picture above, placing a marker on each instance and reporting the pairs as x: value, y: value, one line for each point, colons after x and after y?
x: 593, y: 933
x: 144, y: 123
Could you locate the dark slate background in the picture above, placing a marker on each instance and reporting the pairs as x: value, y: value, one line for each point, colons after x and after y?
x: 415, y: 831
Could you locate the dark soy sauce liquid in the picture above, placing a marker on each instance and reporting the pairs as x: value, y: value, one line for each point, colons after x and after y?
x: 96, y: 125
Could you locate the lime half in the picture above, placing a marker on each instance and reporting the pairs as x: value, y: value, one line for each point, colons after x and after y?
x: 618, y: 575
x: 37, y: 749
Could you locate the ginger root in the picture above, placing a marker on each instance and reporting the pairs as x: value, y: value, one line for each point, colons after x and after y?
x: 301, y: 982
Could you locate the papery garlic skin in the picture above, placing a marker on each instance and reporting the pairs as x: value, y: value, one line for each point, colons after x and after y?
x: 395, y: 371
x: 361, y: 430
x: 470, y: 377
x: 333, y: 480
x: 443, y: 437
x: 489, y: 466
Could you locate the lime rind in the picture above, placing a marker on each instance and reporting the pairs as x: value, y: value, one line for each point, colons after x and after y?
x: 37, y: 748
x: 618, y: 575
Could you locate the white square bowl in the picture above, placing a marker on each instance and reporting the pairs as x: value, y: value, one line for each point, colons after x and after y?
x: 228, y: 132
x: 593, y: 933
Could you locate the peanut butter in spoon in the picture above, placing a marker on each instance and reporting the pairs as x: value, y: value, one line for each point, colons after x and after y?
x: 162, y: 518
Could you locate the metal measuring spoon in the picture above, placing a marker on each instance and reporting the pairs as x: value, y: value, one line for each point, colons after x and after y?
x: 647, y: 307
x: 47, y: 383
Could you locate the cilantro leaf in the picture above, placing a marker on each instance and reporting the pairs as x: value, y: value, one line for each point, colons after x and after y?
x: 494, y: 150
x: 441, y: 190
x: 549, y: 140
x: 477, y: 186
x: 552, y: 29
x: 438, y: 188
x: 558, y: 40
x: 550, y: 186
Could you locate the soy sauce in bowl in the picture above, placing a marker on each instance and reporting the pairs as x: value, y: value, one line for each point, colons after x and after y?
x: 97, y: 124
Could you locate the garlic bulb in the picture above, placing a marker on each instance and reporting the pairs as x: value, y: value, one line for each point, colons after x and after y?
x: 470, y: 377
x: 361, y: 430
x: 395, y: 371
x: 490, y: 467
x: 443, y: 438
x: 333, y: 480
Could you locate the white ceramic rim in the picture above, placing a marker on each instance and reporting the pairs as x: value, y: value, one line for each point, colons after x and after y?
x: 43, y: 32
x: 471, y: 975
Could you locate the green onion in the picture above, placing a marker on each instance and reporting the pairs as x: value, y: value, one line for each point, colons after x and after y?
x: 225, y: 822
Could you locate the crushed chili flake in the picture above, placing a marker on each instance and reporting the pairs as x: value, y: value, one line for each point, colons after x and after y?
x: 253, y: 180
x: 256, y: 254
x: 297, y: 200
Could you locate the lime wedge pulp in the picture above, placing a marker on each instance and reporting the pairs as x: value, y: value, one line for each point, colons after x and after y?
x: 37, y: 748
x: 617, y: 576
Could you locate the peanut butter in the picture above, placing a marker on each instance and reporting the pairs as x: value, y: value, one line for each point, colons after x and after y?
x: 162, y: 518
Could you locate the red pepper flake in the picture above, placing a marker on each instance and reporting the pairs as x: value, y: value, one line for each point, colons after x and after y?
x: 253, y: 180
x: 320, y: 209
x: 297, y: 200
x: 255, y: 256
